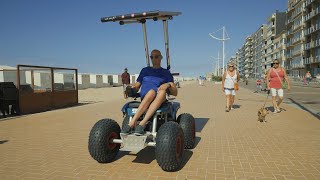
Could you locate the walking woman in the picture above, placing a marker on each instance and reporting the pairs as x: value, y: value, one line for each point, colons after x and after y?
x: 275, y: 78
x: 229, y: 79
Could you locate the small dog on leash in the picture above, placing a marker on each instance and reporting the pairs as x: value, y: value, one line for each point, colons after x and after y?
x: 262, y: 113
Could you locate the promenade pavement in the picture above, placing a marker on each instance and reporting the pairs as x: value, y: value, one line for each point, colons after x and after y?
x: 234, y: 145
x: 304, y: 97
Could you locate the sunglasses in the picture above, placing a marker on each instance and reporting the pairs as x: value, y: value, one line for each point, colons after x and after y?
x: 275, y: 63
x: 155, y: 57
x: 231, y: 66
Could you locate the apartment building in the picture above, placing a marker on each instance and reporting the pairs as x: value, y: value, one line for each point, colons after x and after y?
x: 241, y: 63
x: 279, y: 48
x: 275, y: 25
x: 258, y: 50
x: 295, y: 64
x: 248, y: 57
x: 312, y: 36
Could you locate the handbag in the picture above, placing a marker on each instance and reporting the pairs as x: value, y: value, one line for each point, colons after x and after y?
x: 235, y: 85
x: 283, y: 82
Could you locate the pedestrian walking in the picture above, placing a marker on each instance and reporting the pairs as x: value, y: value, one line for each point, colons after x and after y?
x: 258, y: 87
x: 125, y: 82
x: 230, y: 81
x: 308, y: 77
x: 277, y: 80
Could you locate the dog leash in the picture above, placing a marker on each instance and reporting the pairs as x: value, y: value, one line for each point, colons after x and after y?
x: 266, y: 99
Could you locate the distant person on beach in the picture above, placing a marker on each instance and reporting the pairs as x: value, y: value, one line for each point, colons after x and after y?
x: 259, y: 87
x: 276, y: 76
x: 125, y: 82
x: 229, y: 79
x: 308, y: 77
x: 155, y: 82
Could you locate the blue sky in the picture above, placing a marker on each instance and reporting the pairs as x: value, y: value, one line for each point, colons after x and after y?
x: 69, y: 33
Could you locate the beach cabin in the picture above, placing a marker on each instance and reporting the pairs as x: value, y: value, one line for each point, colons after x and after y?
x: 133, y: 78
x: 117, y: 81
x: 83, y: 81
x: 99, y: 81
x: 96, y: 81
x: 105, y: 80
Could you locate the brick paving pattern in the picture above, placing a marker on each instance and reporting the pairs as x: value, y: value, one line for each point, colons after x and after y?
x: 234, y: 145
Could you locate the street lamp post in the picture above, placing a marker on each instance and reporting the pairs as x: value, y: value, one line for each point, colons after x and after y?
x: 224, y: 38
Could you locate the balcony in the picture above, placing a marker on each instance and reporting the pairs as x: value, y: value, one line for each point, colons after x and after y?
x: 312, y: 29
x: 270, y: 33
x: 312, y: 44
x: 308, y: 2
x: 312, y: 14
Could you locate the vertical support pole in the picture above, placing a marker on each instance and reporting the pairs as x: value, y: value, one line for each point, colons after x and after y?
x: 32, y: 79
x: 166, y: 42
x: 154, y: 124
x: 223, y: 49
x: 18, y: 76
x: 218, y: 64
x: 145, y: 42
x: 77, y: 86
x: 52, y: 80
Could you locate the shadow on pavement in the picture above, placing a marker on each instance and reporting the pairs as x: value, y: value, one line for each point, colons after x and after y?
x: 196, y: 141
x: 3, y: 141
x: 236, y: 106
x: 145, y: 156
x: 304, y: 108
x: 200, y: 123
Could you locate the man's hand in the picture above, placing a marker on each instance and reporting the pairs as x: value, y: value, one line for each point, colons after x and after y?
x: 289, y: 88
x: 164, y: 86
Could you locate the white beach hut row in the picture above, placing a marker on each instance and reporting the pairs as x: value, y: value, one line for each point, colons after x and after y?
x: 42, y: 79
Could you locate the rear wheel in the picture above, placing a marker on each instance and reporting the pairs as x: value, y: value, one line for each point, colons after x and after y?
x: 170, y: 146
x: 101, y: 147
x: 188, y: 126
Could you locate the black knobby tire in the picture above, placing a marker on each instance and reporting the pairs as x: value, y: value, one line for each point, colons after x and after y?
x: 170, y: 146
x: 187, y: 123
x: 100, y: 147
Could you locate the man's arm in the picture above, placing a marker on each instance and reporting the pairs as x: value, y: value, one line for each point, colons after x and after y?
x: 173, y: 89
x: 137, y: 85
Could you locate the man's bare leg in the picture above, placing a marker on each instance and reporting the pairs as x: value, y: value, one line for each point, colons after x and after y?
x: 161, y: 98
x: 148, y: 98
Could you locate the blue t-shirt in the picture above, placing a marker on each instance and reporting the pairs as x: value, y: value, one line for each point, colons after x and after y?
x: 151, y: 78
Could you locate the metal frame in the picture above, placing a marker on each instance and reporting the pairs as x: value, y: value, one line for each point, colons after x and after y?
x: 46, y: 100
x: 141, y: 18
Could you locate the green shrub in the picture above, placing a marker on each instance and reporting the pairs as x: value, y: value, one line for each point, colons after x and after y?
x: 216, y: 78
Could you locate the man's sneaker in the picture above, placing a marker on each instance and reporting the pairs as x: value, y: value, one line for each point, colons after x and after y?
x: 139, y: 131
x: 126, y: 129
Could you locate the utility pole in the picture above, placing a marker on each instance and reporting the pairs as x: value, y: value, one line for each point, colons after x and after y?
x: 218, y: 62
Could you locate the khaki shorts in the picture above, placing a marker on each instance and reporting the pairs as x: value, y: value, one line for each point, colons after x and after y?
x: 275, y: 91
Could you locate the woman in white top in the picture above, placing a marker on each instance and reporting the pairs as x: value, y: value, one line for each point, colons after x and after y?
x: 229, y: 78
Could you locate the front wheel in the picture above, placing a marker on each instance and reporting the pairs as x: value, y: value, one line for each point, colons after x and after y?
x: 101, y: 147
x: 187, y: 123
x: 170, y: 146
